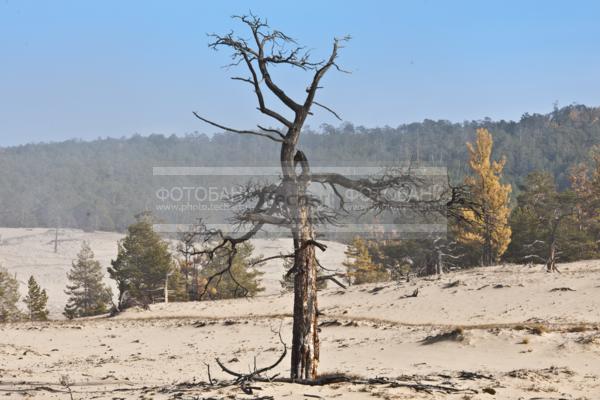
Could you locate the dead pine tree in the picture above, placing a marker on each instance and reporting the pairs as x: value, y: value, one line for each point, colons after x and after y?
x: 444, y: 252
x: 548, y: 217
x: 288, y: 203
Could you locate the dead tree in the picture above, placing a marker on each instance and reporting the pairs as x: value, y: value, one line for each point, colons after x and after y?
x: 549, y: 247
x: 551, y: 224
x: 559, y: 217
x: 288, y: 203
x: 444, y: 253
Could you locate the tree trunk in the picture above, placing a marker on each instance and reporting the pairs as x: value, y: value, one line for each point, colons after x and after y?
x: 166, y: 293
x: 487, y: 245
x: 551, y: 262
x: 305, y: 339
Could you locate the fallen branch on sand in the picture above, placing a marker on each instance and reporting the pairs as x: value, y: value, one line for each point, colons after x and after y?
x: 256, y: 373
x: 415, y: 293
x: 562, y: 289
x: 244, y: 379
x: 255, y: 376
x: 409, y: 381
x: 342, y: 378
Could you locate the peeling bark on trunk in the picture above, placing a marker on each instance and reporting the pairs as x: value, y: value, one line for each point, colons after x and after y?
x: 305, y: 340
x: 305, y: 337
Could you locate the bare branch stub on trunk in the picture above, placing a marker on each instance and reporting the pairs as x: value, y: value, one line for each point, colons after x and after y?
x: 289, y: 204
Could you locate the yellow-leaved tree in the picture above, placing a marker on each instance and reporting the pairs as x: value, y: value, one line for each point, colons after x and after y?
x: 488, y: 228
x: 360, y: 266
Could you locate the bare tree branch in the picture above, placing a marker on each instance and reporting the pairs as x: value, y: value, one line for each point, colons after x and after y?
x: 262, y: 128
x: 331, y: 278
x: 241, y: 132
x: 280, y: 256
x: 328, y: 109
x: 312, y: 90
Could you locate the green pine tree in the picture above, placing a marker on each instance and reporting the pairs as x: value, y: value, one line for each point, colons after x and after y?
x: 9, y: 297
x: 142, y: 264
x: 36, y: 301
x: 87, y: 293
x: 240, y: 281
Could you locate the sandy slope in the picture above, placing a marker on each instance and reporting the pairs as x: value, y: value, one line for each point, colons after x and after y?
x: 371, y: 331
x: 27, y: 252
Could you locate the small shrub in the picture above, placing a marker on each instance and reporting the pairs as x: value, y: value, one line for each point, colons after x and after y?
x: 455, y: 335
x: 538, y: 329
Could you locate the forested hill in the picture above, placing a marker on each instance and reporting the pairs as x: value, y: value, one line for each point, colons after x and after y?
x: 103, y: 183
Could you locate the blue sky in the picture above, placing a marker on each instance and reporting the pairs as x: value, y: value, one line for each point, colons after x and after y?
x: 89, y: 69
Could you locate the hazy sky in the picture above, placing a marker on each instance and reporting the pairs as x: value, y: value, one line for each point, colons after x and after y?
x: 88, y: 69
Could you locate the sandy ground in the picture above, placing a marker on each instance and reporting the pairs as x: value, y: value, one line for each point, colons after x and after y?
x: 522, y: 334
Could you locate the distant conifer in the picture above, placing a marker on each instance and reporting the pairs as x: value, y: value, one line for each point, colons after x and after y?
x: 36, y: 301
x: 9, y: 297
x: 142, y: 265
x: 88, y: 295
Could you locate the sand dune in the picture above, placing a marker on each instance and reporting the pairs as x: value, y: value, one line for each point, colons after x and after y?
x: 505, y: 332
